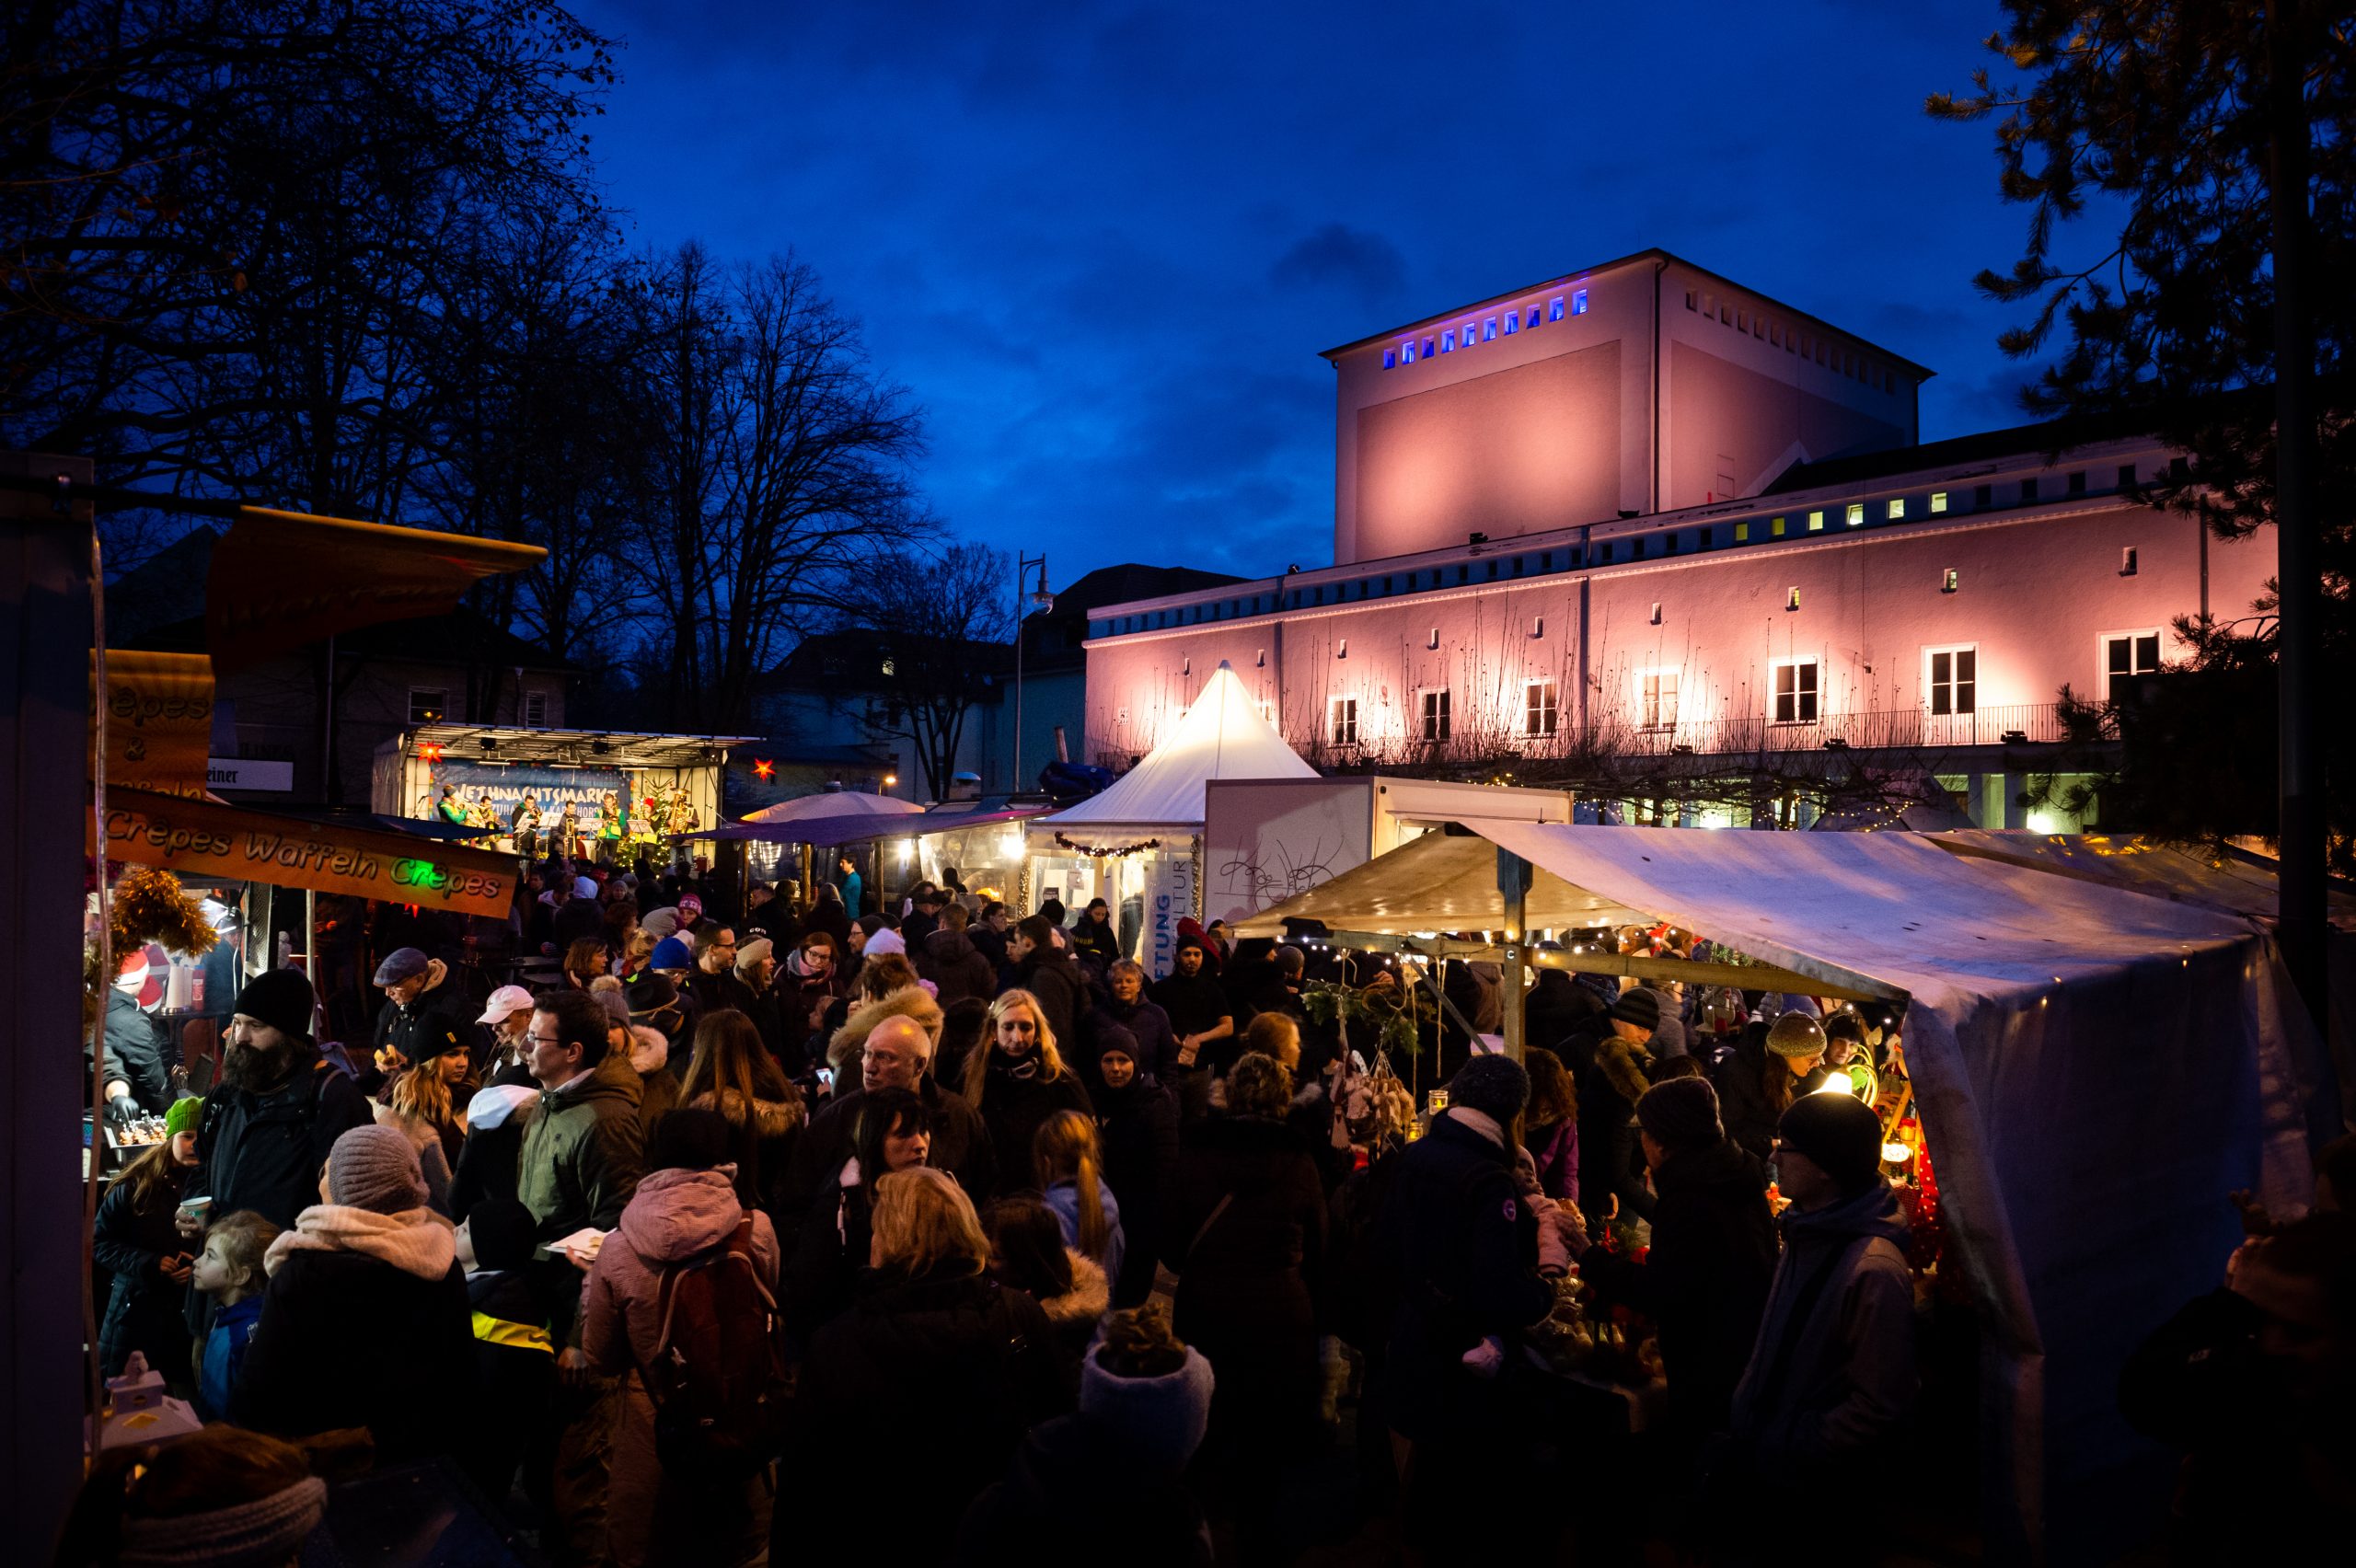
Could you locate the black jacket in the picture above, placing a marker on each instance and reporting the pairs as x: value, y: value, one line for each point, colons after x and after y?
x: 711, y: 992
x: 1050, y: 974
x: 820, y: 1276
x: 1464, y: 1252
x: 347, y: 1340
x: 1195, y: 1006
x: 430, y: 1025
x: 516, y: 1380
x: 1102, y: 940
x: 1705, y: 1280
x: 265, y: 1152
x: 1013, y: 1110
x: 135, y: 1053
x: 957, y: 968
x: 963, y: 1360
x: 145, y: 1310
x: 1085, y: 1480
x: 1557, y: 1005
x: 1137, y: 1129
x: 961, y: 1146
x: 1608, y: 1097
x: 1741, y: 1081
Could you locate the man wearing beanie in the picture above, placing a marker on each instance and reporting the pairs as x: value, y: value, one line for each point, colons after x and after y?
x: 265, y: 1130
x: 1704, y: 1278
x: 1833, y: 1373
x: 375, y: 1262
x: 1466, y: 1262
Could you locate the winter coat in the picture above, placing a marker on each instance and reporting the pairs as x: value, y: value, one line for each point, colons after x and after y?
x: 673, y: 1218
x: 831, y: 1247
x: 1703, y: 1280
x: 144, y: 1311
x: 439, y: 1018
x: 843, y: 1047
x: 776, y: 1127
x: 365, y: 1323
x: 712, y: 992
x: 1742, y: 1080
x: 1555, y: 1152
x: 1557, y: 1005
x: 1078, y: 1312
x: 1463, y: 1254
x: 967, y: 1363
x: 1579, y: 1048
x: 583, y: 1152
x: 264, y: 1152
x: 1156, y: 1054
x: 1248, y: 1278
x: 957, y: 969
x: 1137, y: 1128
x: 1607, y: 1099
x: 1193, y: 1006
x: 496, y: 1118
x: 1050, y: 974
x: 134, y: 1047
x: 224, y: 1360
x: 1103, y: 941
x: 430, y: 1142
x: 961, y: 1146
x: 1833, y: 1373
x: 1112, y: 1475
x: 1063, y: 1199
x: 514, y: 1369
x: 658, y: 1085
x: 1013, y: 1109
x: 1669, y: 1034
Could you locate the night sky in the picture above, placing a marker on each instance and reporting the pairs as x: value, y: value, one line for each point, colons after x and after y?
x: 1101, y: 245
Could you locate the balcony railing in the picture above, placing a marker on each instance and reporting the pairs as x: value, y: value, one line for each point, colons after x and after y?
x: 1896, y: 728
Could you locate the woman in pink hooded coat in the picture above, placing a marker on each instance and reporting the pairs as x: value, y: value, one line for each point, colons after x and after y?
x: 686, y: 1207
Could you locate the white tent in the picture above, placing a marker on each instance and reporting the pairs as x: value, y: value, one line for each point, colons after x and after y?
x: 2096, y: 1070
x: 834, y: 804
x: 1222, y: 736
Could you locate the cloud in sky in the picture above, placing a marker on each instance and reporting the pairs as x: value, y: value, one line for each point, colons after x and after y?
x: 1101, y: 245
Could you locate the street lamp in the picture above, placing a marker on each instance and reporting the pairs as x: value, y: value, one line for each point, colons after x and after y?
x: 1045, y: 601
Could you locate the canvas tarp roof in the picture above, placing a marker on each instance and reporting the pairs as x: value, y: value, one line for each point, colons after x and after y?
x: 1222, y: 736
x: 2096, y: 1070
x: 2228, y: 880
x: 834, y: 804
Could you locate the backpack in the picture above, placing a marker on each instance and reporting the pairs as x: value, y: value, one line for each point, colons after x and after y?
x: 718, y: 1380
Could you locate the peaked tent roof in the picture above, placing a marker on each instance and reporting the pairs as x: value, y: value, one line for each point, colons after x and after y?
x: 834, y: 804
x: 1222, y: 736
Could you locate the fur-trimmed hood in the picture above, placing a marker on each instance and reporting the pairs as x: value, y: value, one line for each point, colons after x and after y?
x: 648, y: 1050
x: 1625, y: 1065
x: 772, y: 1119
x: 1165, y: 1417
x: 909, y: 1001
x: 1089, y: 1296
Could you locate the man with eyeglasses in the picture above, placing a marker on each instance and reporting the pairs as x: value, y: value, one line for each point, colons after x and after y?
x: 896, y: 1055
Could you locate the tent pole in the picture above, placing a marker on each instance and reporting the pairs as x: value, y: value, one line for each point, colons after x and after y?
x: 1514, y: 876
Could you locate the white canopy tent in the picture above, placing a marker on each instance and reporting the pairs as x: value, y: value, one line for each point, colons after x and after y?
x: 834, y: 804
x: 2096, y: 1070
x: 1222, y: 736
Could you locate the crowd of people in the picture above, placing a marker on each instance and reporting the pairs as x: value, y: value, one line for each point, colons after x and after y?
x: 757, y: 1194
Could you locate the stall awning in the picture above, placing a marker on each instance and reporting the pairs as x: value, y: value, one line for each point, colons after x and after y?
x: 2226, y: 879
x: 856, y: 828
x: 599, y: 748
x: 834, y: 802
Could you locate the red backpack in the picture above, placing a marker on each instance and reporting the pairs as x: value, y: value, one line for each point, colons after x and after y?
x: 718, y: 1380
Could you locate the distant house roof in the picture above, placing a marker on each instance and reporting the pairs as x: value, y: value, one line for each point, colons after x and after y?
x: 856, y: 659
x: 1133, y: 580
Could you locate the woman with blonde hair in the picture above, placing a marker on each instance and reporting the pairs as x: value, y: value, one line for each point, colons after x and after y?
x: 428, y: 1101
x: 934, y: 1345
x: 1017, y: 1079
x: 1067, y: 1160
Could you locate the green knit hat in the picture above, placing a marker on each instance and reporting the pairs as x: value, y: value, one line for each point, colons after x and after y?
x: 181, y: 1117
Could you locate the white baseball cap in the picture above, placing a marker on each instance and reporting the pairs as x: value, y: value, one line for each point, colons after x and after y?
x: 504, y: 1003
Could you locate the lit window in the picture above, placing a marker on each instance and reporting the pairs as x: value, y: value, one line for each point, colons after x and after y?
x: 1433, y: 640
x: 1341, y: 648
x: 1538, y: 626
x: 1656, y: 699
x: 1406, y: 354
x: 1794, y: 691
x: 1954, y: 680
x: 1489, y: 330
x: 2127, y: 654
x: 1952, y: 581
x: 1513, y: 322
x: 1434, y: 716
x: 1186, y: 665
x: 1655, y: 612
x: 1816, y: 521
x: 1742, y: 533
x: 428, y: 705
x: 1390, y: 359
x: 1538, y: 709
x: 1792, y: 601
x: 2126, y: 561
x: 1774, y: 527
x: 1578, y: 302
x: 1342, y: 720
x: 1896, y: 508
x: 1448, y: 341
x: 1427, y: 348
x: 1555, y: 305
x: 1534, y: 317
x: 1938, y: 501
x: 1856, y: 513
x: 1262, y: 663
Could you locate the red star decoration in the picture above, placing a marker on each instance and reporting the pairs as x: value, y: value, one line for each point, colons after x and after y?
x: 763, y: 769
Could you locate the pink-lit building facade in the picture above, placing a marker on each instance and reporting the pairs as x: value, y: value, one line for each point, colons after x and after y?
x: 1644, y: 511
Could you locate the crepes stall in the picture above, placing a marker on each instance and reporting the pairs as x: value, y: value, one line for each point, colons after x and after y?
x: 2094, y: 1070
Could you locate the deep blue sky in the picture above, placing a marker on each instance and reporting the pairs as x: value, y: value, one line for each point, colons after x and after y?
x: 1103, y: 244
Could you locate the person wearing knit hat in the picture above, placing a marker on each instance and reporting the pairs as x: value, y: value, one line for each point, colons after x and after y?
x: 670, y: 956
x: 1704, y: 1277
x: 373, y: 1253
x: 1833, y: 1374
x: 1640, y: 1010
x: 1495, y: 1087
x: 219, y: 1497
x: 1771, y: 1067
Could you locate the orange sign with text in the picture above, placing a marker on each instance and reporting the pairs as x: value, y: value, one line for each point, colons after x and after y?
x: 158, y: 721
x: 197, y: 839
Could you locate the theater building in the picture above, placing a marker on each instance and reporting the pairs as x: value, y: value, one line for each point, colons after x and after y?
x: 1643, y: 514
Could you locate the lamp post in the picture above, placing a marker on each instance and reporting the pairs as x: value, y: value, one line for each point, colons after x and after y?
x: 1045, y: 601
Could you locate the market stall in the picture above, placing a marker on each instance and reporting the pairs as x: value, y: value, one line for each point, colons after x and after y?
x: 2094, y: 1070
x: 981, y: 840
x: 1138, y: 845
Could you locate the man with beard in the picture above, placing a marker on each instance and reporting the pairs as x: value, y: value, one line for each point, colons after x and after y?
x: 264, y: 1134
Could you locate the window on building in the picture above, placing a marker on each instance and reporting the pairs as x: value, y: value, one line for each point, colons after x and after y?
x: 1758, y: 327
x: 1427, y: 348
x: 1341, y: 648
x: 1742, y: 321
x: 1448, y: 341
x: 2126, y: 654
x: 1342, y: 720
x: 1856, y: 513
x: 2126, y: 561
x: 1820, y: 351
x: 1489, y: 330
x: 1792, y: 599
x: 1539, y: 709
x: 1952, y: 680
x: 1578, y: 302
x: 429, y: 704
x: 1896, y: 508
x: 1774, y: 527
x: 535, y: 707
x: 1656, y: 619
x: 1535, y: 317
x: 1794, y: 690
x: 1983, y: 496
x: 1656, y: 699
x: 1513, y: 322
x: 1433, y: 640
x: 1406, y: 354
x: 1938, y: 501
x: 1689, y: 299
x: 2028, y: 489
x: 1433, y: 714
x: 1742, y: 533
x: 1262, y: 662
x: 1538, y: 626
x: 2127, y: 476
x: 1268, y: 709
x: 1186, y: 665
x: 1816, y: 521
x: 2074, y: 483
x: 1950, y: 581
x: 1668, y: 544
x: 1390, y: 359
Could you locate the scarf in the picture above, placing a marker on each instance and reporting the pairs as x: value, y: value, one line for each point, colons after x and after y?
x: 1021, y: 1068
x: 416, y: 1242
